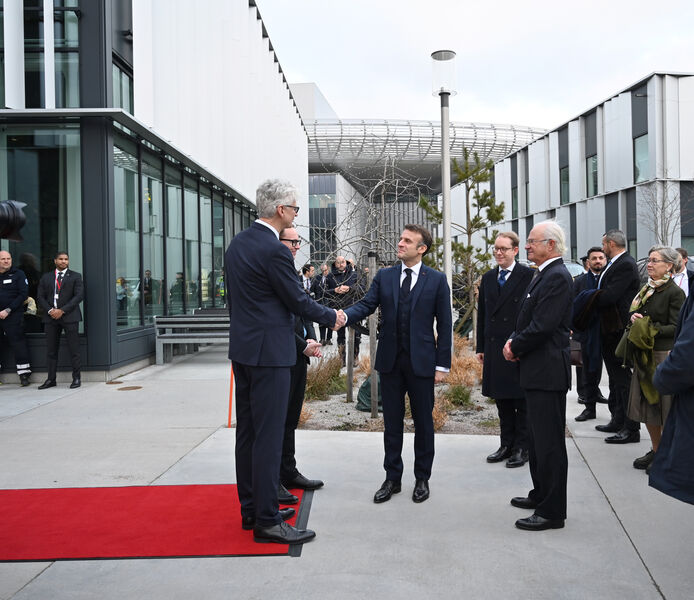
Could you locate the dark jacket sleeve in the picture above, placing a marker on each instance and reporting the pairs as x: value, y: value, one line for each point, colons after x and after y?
x: 369, y: 303
x: 675, y: 374
x: 44, y: 294
x: 77, y: 294
x: 22, y: 289
x: 480, y: 316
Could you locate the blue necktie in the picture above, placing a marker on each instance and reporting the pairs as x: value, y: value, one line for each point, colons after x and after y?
x: 502, y: 277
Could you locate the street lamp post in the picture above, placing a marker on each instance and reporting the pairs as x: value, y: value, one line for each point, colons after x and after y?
x: 443, y: 84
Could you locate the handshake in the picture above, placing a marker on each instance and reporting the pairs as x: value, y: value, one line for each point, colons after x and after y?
x: 340, y: 320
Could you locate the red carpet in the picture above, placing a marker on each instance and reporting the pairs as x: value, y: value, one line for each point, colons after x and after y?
x: 126, y: 522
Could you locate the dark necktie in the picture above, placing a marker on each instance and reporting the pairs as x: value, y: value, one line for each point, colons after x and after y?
x: 60, y: 280
x: 406, y: 284
x: 502, y: 277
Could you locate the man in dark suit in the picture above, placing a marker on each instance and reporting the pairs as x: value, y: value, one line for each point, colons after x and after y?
x: 618, y: 283
x: 306, y: 346
x: 59, y: 295
x: 502, y: 290
x: 322, y: 295
x: 540, y: 344
x: 409, y: 358
x: 263, y: 293
x: 590, y: 371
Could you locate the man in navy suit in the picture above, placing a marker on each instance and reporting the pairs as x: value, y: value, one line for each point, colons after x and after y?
x: 409, y: 358
x: 263, y: 294
x: 540, y: 344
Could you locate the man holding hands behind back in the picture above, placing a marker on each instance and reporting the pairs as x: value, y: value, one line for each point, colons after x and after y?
x: 409, y: 358
x: 540, y: 344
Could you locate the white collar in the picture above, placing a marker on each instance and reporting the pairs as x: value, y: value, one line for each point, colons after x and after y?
x: 415, y: 268
x: 547, y: 263
x: 270, y: 227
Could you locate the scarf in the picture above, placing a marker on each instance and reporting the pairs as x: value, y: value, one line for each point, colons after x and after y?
x: 647, y: 291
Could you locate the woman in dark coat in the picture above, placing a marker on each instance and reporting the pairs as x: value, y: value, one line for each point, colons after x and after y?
x: 660, y: 299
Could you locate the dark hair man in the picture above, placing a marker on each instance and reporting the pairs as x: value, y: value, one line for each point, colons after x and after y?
x: 13, y: 292
x: 540, y: 344
x: 409, y: 358
x: 59, y: 295
x: 501, y: 292
x: 263, y: 293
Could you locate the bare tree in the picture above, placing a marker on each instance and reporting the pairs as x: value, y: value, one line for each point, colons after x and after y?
x: 660, y: 210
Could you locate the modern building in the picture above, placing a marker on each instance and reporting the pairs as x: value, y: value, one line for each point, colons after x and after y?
x: 627, y: 163
x: 136, y: 132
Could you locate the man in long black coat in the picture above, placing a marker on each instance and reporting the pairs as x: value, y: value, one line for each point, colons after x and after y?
x: 501, y: 292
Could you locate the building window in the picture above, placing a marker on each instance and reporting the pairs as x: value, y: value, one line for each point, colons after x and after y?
x: 218, y: 249
x: 192, y: 262
x: 564, y: 185
x: 67, y: 63
x: 153, y: 237
x: 514, y: 203
x: 206, y: 265
x: 127, y: 235
x: 123, y: 90
x: 592, y: 176
x: 174, y: 241
x: 641, y: 158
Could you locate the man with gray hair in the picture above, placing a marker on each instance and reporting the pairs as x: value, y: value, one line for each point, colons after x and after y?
x: 540, y: 345
x: 618, y: 283
x: 263, y: 293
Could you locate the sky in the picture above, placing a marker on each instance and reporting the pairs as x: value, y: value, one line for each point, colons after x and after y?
x: 536, y: 63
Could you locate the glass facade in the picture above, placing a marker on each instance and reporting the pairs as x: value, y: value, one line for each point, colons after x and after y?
x: 592, y: 176
x: 564, y: 185
x: 218, y: 249
x: 514, y: 203
x: 122, y: 89
x: 152, y: 284
x: 174, y: 241
x: 206, y: 267
x: 67, y: 64
x: 192, y: 245
x: 641, y: 158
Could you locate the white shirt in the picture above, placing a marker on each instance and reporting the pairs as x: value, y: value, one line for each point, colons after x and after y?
x: 682, y: 280
x: 508, y: 270
x: 415, y: 273
x: 270, y: 227
x: 547, y: 262
x: 609, y: 264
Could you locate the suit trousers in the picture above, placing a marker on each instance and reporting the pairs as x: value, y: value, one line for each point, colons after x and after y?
x: 326, y: 333
x: 548, y: 459
x: 262, y: 395
x: 589, y: 387
x: 420, y: 390
x: 620, y: 379
x: 513, y: 422
x: 72, y: 336
x: 297, y: 388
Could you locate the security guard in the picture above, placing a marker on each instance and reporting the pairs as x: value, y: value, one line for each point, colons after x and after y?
x: 13, y: 293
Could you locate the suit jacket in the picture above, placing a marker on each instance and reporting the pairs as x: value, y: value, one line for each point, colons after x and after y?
x: 619, y: 285
x: 263, y: 294
x: 300, y: 325
x: 429, y: 300
x: 69, y: 298
x: 541, y: 339
x: 581, y: 284
x: 496, y: 319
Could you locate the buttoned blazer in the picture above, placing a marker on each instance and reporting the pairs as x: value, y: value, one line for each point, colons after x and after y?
x: 263, y: 294
x: 541, y: 338
x: 619, y: 285
x: 497, y: 311
x: 429, y: 301
x: 69, y: 298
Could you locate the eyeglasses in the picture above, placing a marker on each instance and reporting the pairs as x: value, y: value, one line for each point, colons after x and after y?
x: 296, y: 208
x: 654, y: 261
x: 531, y: 242
x: 294, y: 243
x: 502, y: 249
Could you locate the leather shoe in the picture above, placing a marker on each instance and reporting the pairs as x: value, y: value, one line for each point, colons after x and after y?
x: 421, y: 490
x: 501, y: 454
x: 538, y: 523
x: 518, y: 458
x: 586, y: 415
x: 49, y: 383
x: 611, y: 427
x: 624, y: 437
x: 601, y: 399
x: 76, y: 382
x: 248, y: 523
x: 523, y: 502
x: 386, y: 491
x: 24, y: 379
x: 282, y: 533
x: 303, y: 483
x: 284, y: 496
x: 581, y: 400
x: 643, y: 462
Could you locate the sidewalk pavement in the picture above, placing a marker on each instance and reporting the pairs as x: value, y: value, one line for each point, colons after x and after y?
x: 622, y: 539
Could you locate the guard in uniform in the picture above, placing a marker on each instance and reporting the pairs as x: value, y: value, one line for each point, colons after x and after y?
x: 13, y: 293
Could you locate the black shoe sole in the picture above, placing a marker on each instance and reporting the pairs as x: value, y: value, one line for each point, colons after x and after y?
x: 301, y: 540
x: 543, y: 527
x: 385, y: 499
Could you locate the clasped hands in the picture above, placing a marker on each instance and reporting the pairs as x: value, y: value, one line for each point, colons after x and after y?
x: 508, y: 353
x: 340, y: 320
x: 313, y: 349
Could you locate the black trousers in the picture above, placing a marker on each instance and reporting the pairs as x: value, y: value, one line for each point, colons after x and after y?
x: 325, y: 333
x: 53, y: 329
x: 13, y: 326
x: 589, y: 382
x: 420, y: 390
x: 620, y: 379
x: 297, y: 388
x: 261, y: 410
x: 341, y: 337
x: 548, y: 459
x: 513, y: 422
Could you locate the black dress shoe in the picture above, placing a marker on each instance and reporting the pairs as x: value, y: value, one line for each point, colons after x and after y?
x: 538, y: 523
x: 248, y: 523
x: 581, y: 400
x: 586, y: 415
x: 624, y: 437
x: 611, y: 427
x: 282, y: 533
x: 386, y: 491
x: 523, y: 502
x: 421, y: 490
x: 285, y: 497
x: 518, y: 458
x: 76, y: 382
x: 47, y: 384
x: 303, y: 483
x: 24, y: 379
x: 643, y: 462
x: 601, y: 399
x: 501, y: 454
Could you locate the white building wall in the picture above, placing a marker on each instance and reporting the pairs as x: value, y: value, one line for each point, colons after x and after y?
x: 207, y: 81
x: 670, y: 140
x: 539, y: 177
x: 351, y: 216
x: 619, y: 151
x: 577, y: 162
x: 686, y: 127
